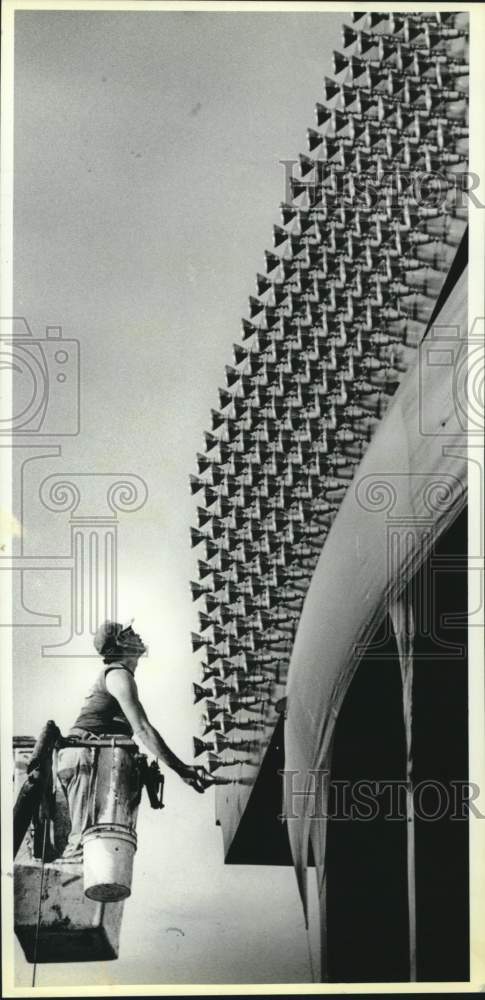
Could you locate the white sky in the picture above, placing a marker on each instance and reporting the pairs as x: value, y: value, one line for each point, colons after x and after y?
x: 147, y: 181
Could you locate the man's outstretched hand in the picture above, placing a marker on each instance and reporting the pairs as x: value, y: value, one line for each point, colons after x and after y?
x: 197, y: 777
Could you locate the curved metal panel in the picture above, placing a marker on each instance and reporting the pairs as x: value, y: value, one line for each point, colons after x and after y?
x: 409, y: 488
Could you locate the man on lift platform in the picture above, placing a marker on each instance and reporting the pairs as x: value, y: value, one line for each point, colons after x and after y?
x: 112, y: 707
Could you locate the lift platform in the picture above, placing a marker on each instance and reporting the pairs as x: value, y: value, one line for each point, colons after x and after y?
x: 55, y: 920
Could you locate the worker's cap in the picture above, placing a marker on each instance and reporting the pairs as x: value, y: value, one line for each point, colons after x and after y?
x: 107, y: 635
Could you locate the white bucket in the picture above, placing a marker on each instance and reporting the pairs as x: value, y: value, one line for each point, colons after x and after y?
x: 109, y: 850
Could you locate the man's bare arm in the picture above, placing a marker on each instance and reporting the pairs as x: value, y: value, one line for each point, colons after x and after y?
x: 122, y: 685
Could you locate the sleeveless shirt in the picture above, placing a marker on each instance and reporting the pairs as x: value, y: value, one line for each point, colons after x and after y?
x: 100, y: 711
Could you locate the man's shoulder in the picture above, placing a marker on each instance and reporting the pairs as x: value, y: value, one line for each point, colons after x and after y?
x: 119, y: 675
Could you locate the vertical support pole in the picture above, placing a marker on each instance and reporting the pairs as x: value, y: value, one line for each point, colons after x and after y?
x: 318, y: 838
x: 402, y: 618
x: 324, y: 971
